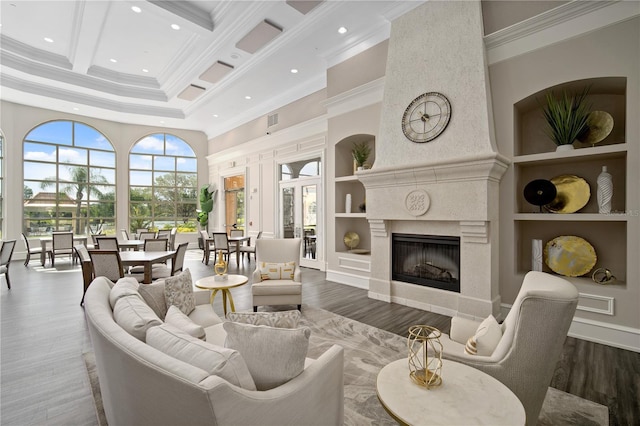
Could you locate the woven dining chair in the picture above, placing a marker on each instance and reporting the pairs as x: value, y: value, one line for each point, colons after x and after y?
x: 107, y: 243
x: 221, y: 242
x: 30, y: 250
x: 151, y: 245
x: 107, y: 263
x: 62, y: 246
x: 147, y: 235
x: 87, y: 268
x: 207, y: 245
x: 177, y: 263
x: 249, y: 249
x: 6, y: 251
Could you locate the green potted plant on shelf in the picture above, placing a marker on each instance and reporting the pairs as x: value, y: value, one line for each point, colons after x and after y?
x: 566, y: 117
x: 360, y: 153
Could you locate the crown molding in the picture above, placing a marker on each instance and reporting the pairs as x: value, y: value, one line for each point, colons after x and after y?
x: 122, y: 78
x: 563, y: 22
x: 84, y: 99
x: 15, y: 47
x: 356, y: 98
x: 186, y: 10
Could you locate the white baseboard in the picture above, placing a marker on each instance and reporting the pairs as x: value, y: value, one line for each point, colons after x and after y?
x: 617, y: 336
x: 348, y: 279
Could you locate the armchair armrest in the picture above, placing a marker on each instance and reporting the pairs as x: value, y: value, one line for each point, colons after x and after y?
x: 462, y: 329
x: 256, y: 275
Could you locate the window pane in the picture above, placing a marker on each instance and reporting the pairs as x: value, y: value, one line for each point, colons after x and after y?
x: 58, y: 132
x: 165, y: 194
x: 142, y: 162
x: 165, y: 179
x: 140, y: 209
x: 73, y: 155
x: 152, y: 144
x: 140, y: 193
x: 102, y: 193
x: 188, y: 194
x: 187, y: 164
x: 103, y: 159
x: 140, y: 178
x: 176, y: 146
x: 187, y: 179
x: 89, y: 137
x: 164, y: 163
x: 40, y: 152
x: 41, y: 171
x: 103, y: 210
x: 164, y: 209
x: 100, y: 175
x: 186, y: 211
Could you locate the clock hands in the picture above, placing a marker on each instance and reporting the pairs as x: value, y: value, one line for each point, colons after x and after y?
x: 424, y: 117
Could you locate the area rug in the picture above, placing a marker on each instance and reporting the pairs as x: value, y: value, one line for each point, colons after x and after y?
x: 367, y: 349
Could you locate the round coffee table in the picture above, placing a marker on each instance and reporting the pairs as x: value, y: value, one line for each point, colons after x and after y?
x: 467, y: 396
x: 210, y: 283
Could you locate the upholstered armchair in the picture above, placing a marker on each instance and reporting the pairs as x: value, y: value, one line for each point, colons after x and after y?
x: 282, y: 286
x: 533, y: 334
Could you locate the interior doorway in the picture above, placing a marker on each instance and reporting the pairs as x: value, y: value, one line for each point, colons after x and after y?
x: 234, y: 203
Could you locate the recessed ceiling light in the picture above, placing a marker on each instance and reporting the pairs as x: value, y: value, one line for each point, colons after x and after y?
x: 294, y: 71
x: 76, y: 109
x: 161, y: 121
x: 175, y: 26
x: 136, y: 9
x: 145, y: 70
x: 342, y: 30
x: 48, y: 40
x: 247, y: 97
x: 215, y: 115
x: 113, y: 60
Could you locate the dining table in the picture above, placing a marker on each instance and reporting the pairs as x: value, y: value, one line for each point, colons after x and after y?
x: 238, y: 242
x: 131, y: 244
x: 44, y: 241
x: 146, y: 259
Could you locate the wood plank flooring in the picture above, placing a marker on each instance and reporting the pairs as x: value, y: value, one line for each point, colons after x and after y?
x: 43, y: 335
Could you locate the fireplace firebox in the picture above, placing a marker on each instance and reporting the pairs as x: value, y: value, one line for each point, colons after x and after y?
x: 427, y: 260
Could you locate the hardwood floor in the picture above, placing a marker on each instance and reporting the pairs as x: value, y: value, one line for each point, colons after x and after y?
x: 43, y: 335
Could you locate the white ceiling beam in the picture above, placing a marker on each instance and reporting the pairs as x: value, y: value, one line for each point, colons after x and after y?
x: 88, y: 24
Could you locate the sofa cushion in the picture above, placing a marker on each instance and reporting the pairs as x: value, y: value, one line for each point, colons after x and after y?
x: 178, y: 319
x: 204, y: 315
x: 153, y: 294
x: 276, y: 288
x: 216, y: 360
x: 178, y: 291
x: 281, y: 319
x: 274, y: 355
x: 135, y: 316
x: 486, y: 339
x: 122, y: 288
x: 277, y: 271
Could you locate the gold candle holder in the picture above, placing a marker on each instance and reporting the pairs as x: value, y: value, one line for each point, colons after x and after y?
x: 425, y: 355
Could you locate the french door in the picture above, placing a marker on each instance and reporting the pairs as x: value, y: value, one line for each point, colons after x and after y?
x: 301, y: 217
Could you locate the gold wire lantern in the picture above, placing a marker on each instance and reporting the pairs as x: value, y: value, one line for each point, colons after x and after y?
x: 425, y: 355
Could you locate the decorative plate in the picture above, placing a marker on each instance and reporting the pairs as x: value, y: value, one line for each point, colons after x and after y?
x: 573, y: 193
x: 570, y: 256
x: 600, y: 124
x: 351, y: 240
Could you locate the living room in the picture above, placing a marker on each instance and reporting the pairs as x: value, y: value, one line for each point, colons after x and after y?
x: 491, y: 80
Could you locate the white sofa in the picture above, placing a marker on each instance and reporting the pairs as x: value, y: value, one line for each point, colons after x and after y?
x: 143, y: 386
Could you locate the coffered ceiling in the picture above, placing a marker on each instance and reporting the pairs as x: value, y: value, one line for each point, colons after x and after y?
x: 182, y: 64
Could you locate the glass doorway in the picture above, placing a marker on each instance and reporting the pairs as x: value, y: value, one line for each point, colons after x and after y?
x: 234, y: 203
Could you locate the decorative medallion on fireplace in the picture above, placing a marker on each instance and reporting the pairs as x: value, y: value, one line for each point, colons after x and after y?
x: 428, y: 260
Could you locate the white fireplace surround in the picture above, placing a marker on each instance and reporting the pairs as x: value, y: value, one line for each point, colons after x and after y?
x: 456, y: 197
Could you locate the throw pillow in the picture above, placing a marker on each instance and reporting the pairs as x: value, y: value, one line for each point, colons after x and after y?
x: 178, y: 291
x: 274, y: 355
x: 277, y: 271
x: 215, y: 360
x: 179, y: 320
x: 486, y: 339
x: 153, y: 294
x: 122, y: 288
x: 135, y: 316
x: 282, y: 319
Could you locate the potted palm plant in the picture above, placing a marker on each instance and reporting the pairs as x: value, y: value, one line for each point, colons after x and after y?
x: 566, y: 117
x: 360, y: 153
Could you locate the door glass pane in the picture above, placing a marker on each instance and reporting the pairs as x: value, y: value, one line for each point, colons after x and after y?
x: 288, y: 217
x: 309, y: 208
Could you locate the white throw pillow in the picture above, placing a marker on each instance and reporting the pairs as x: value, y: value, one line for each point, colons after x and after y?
x: 178, y: 319
x: 215, y: 360
x: 274, y: 355
x: 486, y: 339
x: 277, y: 271
x: 135, y: 316
x: 281, y: 319
x: 122, y: 288
x: 178, y: 291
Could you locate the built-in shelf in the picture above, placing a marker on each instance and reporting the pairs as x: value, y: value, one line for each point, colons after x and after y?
x: 350, y: 178
x: 573, y: 217
x: 591, y: 153
x: 351, y: 215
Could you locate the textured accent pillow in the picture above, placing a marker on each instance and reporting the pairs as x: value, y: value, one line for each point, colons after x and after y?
x: 274, y: 355
x: 178, y: 319
x: 282, y: 319
x: 135, y: 316
x: 277, y: 271
x: 178, y: 291
x: 487, y: 337
x: 122, y: 288
x: 215, y: 360
x: 470, y: 347
x: 153, y: 294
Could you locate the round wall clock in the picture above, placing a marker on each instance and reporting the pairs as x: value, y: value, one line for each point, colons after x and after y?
x: 426, y: 117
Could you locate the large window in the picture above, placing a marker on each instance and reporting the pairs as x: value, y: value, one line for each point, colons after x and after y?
x: 1, y: 183
x: 163, y: 183
x: 69, y: 180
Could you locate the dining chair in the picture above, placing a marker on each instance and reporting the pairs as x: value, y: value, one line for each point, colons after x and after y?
x: 107, y: 263
x: 87, y: 268
x: 5, y: 259
x: 221, y: 243
x: 94, y: 238
x: 151, y: 245
x: 164, y: 233
x: 124, y: 235
x: 29, y: 250
x: 177, y: 263
x: 147, y: 235
x: 172, y: 238
x: 62, y: 246
x: 207, y: 245
x: 248, y: 249
x: 140, y: 231
x: 107, y: 243
x: 236, y: 233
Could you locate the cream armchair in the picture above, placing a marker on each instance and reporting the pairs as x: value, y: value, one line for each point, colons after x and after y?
x: 533, y: 334
x: 277, y: 291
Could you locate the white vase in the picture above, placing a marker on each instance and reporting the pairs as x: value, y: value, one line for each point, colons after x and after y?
x: 561, y: 148
x: 347, y: 204
x: 605, y: 191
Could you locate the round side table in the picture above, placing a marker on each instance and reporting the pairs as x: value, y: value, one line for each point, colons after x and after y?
x: 233, y: 280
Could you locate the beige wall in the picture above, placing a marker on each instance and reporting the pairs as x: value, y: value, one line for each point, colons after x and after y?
x: 500, y: 14
x: 354, y: 72
x: 17, y: 120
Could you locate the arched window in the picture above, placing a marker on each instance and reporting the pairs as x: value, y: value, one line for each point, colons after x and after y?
x: 69, y: 180
x: 163, y: 182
